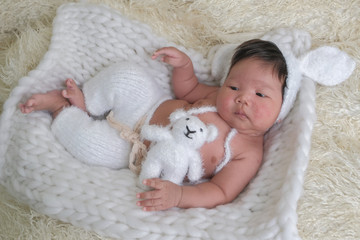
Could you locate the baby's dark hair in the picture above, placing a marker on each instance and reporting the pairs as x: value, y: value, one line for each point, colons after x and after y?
x: 265, y: 51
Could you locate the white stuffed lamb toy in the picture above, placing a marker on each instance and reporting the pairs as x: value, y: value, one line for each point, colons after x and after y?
x: 174, y: 152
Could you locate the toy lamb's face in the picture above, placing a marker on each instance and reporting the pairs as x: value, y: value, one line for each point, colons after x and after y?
x: 191, y: 131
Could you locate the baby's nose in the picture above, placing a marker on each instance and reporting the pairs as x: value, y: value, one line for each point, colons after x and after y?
x: 243, y: 98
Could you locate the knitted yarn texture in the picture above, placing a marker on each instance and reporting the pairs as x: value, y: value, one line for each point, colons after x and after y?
x: 37, y: 170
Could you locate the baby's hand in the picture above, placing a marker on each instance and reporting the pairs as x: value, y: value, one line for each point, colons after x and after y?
x: 172, y: 56
x: 164, y: 195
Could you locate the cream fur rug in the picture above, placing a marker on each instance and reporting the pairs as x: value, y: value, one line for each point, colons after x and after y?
x: 329, y: 208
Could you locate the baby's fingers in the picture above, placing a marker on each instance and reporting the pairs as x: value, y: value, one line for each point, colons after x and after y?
x: 161, y: 51
x: 149, y: 195
x: 170, y: 55
x: 155, y: 55
x: 151, y: 204
x: 166, y: 51
x: 155, y: 183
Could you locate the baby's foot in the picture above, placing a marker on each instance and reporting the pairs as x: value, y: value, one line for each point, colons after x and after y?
x: 74, y: 94
x: 51, y: 101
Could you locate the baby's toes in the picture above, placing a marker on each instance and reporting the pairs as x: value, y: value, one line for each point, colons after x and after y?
x: 65, y: 93
x: 22, y: 107
x: 28, y: 106
x: 71, y: 85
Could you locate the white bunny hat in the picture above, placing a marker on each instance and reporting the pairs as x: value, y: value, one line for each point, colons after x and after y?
x: 325, y: 65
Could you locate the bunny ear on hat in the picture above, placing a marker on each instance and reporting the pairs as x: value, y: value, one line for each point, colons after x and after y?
x: 324, y: 65
x: 327, y: 65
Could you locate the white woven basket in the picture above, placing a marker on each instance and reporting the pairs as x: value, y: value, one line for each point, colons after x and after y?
x: 38, y: 171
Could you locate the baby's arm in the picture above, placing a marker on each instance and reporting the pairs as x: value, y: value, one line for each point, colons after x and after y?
x: 223, y: 188
x: 185, y: 83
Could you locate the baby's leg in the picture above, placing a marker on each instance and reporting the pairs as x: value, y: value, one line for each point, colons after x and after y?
x: 90, y: 141
x: 124, y: 88
x: 51, y: 101
x: 74, y: 94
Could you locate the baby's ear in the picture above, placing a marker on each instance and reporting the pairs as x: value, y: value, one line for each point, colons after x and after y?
x: 327, y: 65
x: 212, y: 133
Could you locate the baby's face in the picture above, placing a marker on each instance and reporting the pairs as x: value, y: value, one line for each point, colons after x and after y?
x: 251, y: 97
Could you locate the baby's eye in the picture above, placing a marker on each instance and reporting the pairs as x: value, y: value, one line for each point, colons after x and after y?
x: 260, y: 94
x: 234, y: 88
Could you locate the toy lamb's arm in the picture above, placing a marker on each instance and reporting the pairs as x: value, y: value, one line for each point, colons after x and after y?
x: 155, y: 133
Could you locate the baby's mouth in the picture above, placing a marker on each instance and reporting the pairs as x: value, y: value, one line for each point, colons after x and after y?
x: 241, y: 115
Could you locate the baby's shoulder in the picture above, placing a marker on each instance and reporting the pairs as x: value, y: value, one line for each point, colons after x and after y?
x: 243, y: 147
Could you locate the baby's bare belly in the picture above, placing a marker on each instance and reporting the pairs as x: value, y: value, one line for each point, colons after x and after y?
x: 211, y: 153
x: 162, y: 113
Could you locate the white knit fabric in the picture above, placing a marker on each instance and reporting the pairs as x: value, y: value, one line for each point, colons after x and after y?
x: 37, y: 170
x: 125, y: 89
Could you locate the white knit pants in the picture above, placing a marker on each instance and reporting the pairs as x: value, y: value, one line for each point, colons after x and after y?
x: 125, y: 89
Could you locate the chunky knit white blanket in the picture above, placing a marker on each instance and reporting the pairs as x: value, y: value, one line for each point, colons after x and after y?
x: 37, y: 170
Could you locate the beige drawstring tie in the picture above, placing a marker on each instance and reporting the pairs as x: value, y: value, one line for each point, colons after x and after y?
x: 139, y: 149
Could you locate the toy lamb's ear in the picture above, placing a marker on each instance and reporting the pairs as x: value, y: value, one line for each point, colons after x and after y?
x: 327, y: 65
x: 202, y: 109
x: 212, y: 133
x: 177, y: 115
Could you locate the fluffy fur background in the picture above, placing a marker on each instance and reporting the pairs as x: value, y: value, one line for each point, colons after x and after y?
x: 330, y: 205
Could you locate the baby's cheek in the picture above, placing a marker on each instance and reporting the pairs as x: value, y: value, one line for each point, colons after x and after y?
x: 223, y: 104
x: 265, y: 113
